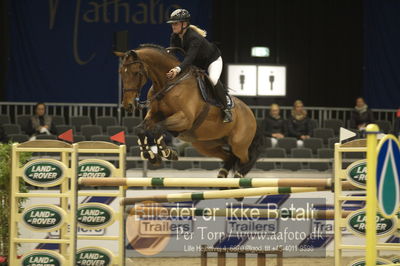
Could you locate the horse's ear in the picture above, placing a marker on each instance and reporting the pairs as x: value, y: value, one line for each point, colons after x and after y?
x: 133, y: 54
x: 119, y: 54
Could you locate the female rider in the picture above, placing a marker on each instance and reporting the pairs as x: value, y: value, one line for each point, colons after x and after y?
x: 199, y: 52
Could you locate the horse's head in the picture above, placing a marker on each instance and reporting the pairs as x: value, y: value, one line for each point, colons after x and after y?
x: 134, y: 76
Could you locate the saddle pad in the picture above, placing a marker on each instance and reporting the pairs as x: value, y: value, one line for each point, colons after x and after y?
x: 210, y: 99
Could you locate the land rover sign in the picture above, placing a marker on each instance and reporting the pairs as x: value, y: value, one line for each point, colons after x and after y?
x: 42, y: 258
x: 43, y: 217
x: 94, y: 256
x: 357, y: 173
x: 44, y: 172
x: 95, y: 168
x: 94, y: 215
x: 356, y: 223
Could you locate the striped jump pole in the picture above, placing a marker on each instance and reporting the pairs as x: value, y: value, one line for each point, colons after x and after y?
x: 241, y: 212
x: 221, y: 194
x: 211, y: 182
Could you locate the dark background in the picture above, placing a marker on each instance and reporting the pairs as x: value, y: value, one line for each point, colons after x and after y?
x: 334, y: 50
x: 320, y: 42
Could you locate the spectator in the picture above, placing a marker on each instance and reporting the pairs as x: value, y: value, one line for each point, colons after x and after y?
x: 299, y: 125
x: 40, y: 123
x: 361, y: 116
x: 274, y: 126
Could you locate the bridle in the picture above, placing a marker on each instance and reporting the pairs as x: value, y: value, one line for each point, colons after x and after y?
x: 142, y: 72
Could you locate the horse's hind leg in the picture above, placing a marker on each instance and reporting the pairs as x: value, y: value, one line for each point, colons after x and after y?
x: 228, y: 165
x: 212, y: 149
x: 240, y: 148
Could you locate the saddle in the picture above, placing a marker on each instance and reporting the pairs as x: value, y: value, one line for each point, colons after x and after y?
x: 217, y: 96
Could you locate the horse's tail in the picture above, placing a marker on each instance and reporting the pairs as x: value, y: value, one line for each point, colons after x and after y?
x: 256, y: 147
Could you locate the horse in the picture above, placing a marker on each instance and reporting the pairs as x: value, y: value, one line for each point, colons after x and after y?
x: 177, y: 106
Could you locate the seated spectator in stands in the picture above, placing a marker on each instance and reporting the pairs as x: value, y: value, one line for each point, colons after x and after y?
x: 40, y: 123
x: 274, y: 125
x: 299, y: 124
x: 361, y: 116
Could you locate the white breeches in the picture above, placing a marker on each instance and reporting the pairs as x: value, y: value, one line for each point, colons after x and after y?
x: 214, y: 70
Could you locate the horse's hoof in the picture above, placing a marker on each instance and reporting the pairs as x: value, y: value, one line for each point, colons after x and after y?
x: 223, y: 173
x: 238, y: 175
x: 168, y: 153
x: 156, y: 161
x: 173, y: 155
x: 147, y: 155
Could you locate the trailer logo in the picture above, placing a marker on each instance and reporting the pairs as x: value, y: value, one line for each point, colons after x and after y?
x: 42, y: 258
x: 43, y: 217
x: 95, y: 215
x: 95, y: 168
x: 93, y: 256
x: 44, y: 172
x: 357, y: 173
x: 356, y: 223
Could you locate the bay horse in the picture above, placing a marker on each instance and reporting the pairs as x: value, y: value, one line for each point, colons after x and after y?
x: 177, y: 106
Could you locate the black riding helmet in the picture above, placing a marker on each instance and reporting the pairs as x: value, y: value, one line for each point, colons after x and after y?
x: 179, y: 15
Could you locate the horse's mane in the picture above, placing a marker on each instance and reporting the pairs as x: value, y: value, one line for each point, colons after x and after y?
x: 159, y: 48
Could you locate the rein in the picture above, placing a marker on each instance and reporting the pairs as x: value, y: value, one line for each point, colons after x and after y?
x: 161, y: 93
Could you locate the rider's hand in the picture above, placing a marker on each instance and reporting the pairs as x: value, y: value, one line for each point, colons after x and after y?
x: 172, y: 73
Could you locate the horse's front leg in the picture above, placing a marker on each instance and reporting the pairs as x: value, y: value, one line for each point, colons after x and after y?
x: 145, y: 142
x: 177, y: 122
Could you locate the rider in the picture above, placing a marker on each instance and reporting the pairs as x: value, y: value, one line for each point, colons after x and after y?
x: 199, y: 52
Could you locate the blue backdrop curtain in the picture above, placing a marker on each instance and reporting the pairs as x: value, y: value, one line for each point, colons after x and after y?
x: 61, y: 50
x: 382, y: 53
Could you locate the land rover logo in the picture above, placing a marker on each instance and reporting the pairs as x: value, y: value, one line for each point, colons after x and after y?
x: 361, y: 262
x: 95, y: 168
x: 357, y: 173
x: 42, y: 258
x: 95, y: 215
x: 93, y: 256
x: 356, y: 224
x: 44, y: 172
x: 43, y: 217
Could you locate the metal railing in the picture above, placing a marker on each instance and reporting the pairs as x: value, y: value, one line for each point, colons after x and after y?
x: 94, y: 110
x: 321, y: 114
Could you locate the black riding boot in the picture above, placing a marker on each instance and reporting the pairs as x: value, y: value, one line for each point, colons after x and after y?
x: 222, y: 93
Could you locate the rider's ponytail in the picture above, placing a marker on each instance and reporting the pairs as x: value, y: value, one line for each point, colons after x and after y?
x: 198, y: 30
